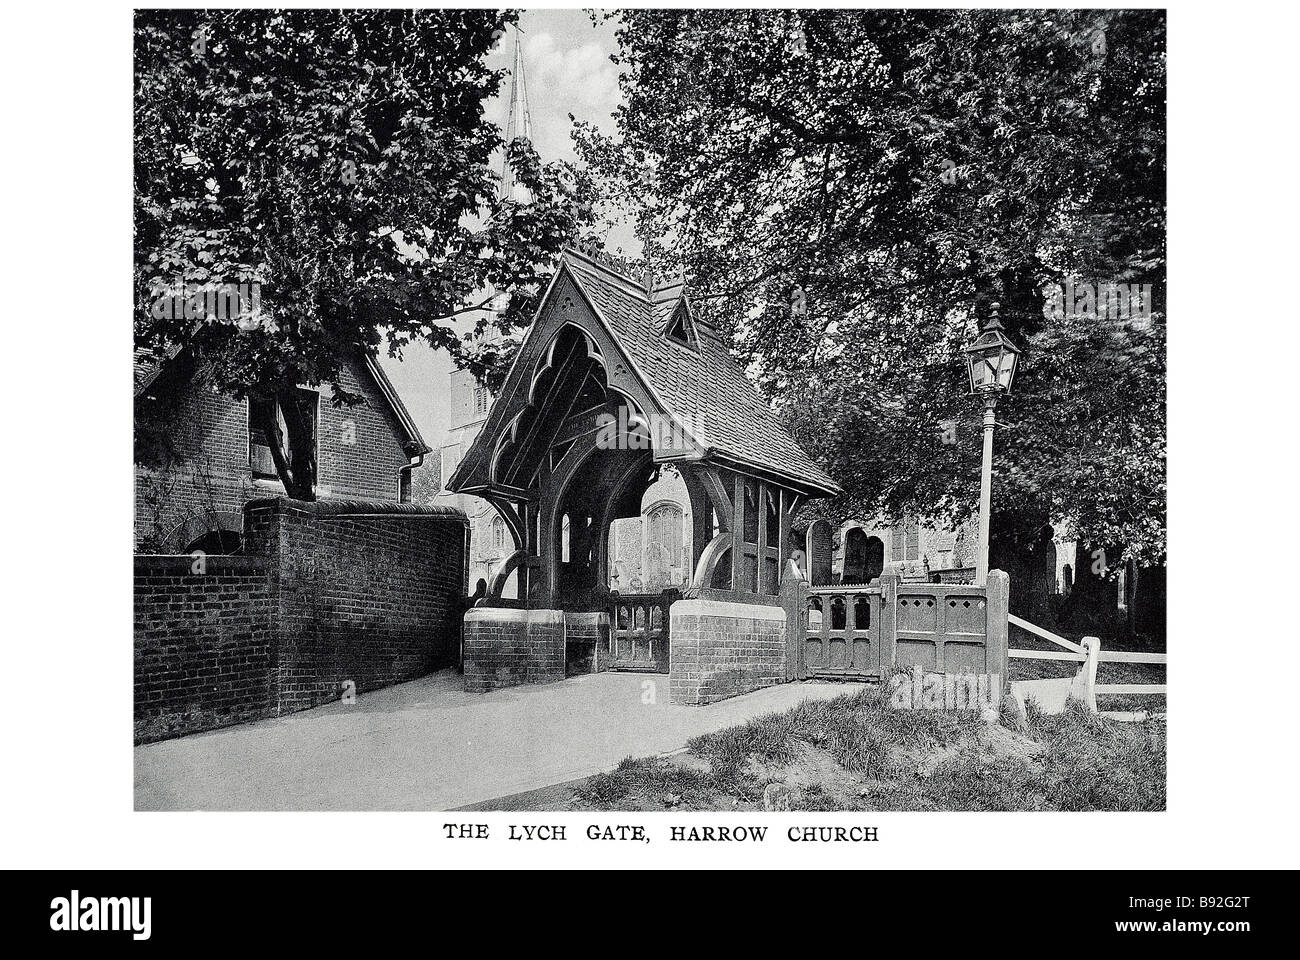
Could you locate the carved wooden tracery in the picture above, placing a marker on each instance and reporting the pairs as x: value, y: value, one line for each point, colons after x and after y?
x: 544, y: 456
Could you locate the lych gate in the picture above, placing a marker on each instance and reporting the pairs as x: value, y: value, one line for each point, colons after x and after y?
x: 616, y: 379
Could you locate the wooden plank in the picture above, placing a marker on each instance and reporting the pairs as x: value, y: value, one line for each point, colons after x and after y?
x: 738, y: 534
x: 888, y: 623
x: 997, y: 632
x: 1044, y: 634
x: 1045, y: 655
x: 1137, y: 688
x: 1121, y: 656
x: 836, y: 590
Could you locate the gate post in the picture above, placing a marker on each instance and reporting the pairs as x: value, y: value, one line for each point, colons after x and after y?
x: 997, y: 594
x: 888, y: 623
x: 794, y: 598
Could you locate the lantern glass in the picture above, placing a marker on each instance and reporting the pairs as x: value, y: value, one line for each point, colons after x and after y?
x: 985, y: 366
x: 1007, y: 369
x: 992, y: 363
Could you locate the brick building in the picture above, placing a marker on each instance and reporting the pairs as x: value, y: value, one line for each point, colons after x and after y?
x: 208, y: 460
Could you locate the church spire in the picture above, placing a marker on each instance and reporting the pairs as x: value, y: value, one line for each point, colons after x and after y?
x: 519, y: 123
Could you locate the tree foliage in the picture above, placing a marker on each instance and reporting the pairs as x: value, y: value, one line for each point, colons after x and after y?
x: 339, y: 161
x: 849, y: 191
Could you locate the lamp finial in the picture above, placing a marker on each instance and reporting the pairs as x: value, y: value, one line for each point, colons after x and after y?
x: 994, y: 322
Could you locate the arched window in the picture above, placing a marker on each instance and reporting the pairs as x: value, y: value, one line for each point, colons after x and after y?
x: 663, y: 561
x: 564, y: 539
x: 217, y: 542
x: 498, y: 534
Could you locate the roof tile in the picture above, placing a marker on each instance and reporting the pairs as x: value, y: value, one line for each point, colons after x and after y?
x: 703, y: 386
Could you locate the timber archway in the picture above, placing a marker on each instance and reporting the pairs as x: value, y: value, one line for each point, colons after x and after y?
x: 605, y: 392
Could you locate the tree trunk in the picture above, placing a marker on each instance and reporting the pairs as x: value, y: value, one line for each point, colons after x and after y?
x: 294, y: 455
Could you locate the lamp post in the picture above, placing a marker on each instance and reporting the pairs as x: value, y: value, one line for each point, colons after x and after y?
x: 991, y: 362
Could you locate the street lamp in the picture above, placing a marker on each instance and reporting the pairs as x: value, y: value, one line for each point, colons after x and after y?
x: 991, y: 360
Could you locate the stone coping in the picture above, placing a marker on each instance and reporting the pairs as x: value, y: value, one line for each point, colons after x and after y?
x: 726, y: 608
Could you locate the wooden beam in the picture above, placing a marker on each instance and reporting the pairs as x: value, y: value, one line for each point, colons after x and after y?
x: 1045, y: 655
x: 783, y: 532
x: 738, y: 534
x: 513, y: 521
x: 1122, y: 656
x: 1045, y: 634
x: 717, y: 493
x: 560, y: 392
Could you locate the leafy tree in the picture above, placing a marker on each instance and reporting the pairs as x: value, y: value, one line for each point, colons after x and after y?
x: 339, y: 161
x: 426, y: 482
x: 849, y: 191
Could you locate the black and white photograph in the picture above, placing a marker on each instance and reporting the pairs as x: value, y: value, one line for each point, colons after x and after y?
x: 658, y: 410
x: 661, y: 437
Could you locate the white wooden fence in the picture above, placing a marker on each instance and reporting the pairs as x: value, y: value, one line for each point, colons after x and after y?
x: 1085, y: 687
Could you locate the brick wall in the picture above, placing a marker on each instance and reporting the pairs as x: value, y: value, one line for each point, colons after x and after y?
x: 203, y: 644
x: 505, y: 647
x: 720, y: 649
x: 211, y: 474
x: 370, y: 593
x: 586, y: 642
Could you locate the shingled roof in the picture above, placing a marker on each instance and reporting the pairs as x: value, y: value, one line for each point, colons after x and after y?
x: 697, y: 384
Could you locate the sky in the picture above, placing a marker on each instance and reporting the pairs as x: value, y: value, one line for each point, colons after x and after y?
x: 567, y: 66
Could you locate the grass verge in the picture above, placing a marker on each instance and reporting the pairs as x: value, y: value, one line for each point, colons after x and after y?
x: 855, y: 752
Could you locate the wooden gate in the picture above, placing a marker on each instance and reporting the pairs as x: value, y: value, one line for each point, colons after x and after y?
x: 843, y: 631
x: 638, y: 631
x: 865, y: 631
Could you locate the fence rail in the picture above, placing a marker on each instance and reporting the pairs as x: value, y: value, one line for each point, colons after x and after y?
x: 1085, y: 687
x: 1044, y: 634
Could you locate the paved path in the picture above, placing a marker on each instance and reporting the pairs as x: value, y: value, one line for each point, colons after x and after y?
x: 428, y: 745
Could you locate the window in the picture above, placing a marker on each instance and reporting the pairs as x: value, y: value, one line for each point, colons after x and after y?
x: 665, y: 558
x: 680, y: 327
x: 480, y: 399
x: 217, y: 542
x: 498, y: 534
x: 404, y: 485
x: 260, y: 462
